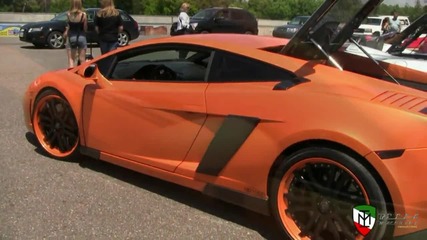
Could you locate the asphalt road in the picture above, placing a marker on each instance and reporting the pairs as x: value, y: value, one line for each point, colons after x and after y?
x: 43, y: 198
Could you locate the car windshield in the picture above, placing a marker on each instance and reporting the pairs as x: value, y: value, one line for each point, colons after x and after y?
x: 298, y: 20
x: 205, y: 14
x: 372, y: 21
x: 60, y: 17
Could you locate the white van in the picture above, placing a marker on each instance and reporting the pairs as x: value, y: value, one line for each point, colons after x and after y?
x: 372, y: 25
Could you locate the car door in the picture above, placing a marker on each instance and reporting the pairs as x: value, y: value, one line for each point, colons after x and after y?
x: 154, y: 107
x: 239, y: 86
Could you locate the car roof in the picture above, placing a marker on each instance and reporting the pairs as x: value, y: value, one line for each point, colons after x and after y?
x: 224, y: 40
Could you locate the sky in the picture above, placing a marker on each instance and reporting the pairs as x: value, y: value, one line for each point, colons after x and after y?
x: 403, y: 2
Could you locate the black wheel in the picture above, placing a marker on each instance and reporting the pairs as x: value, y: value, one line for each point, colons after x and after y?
x: 313, y: 193
x: 55, y: 40
x: 55, y: 125
x: 123, y: 39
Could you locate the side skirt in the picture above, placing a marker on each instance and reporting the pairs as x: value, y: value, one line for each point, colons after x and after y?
x: 255, y: 204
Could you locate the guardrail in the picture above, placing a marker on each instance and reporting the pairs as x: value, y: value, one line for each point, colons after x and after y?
x: 10, y: 23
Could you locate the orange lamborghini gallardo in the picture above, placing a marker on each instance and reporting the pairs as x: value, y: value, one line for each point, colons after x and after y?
x: 297, y: 129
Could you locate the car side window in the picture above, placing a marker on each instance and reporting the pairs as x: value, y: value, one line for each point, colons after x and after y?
x: 229, y: 67
x: 224, y: 14
x: 124, y: 17
x: 238, y: 15
x: 90, y: 15
x: 162, y: 63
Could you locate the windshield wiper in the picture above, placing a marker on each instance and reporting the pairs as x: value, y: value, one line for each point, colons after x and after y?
x: 373, y: 59
x: 330, y: 58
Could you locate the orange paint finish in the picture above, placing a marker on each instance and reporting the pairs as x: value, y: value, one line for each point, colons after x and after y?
x: 145, y: 117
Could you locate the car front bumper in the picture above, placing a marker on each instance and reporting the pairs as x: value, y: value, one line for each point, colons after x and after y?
x: 32, y: 37
x: 406, y: 180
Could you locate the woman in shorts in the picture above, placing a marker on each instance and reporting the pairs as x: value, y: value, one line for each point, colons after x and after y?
x: 75, y: 33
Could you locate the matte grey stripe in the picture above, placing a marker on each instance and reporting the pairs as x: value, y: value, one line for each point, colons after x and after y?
x: 227, y: 141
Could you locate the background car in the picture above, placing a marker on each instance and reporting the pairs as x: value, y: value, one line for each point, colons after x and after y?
x: 289, y: 30
x: 224, y: 20
x: 373, y: 25
x: 49, y: 33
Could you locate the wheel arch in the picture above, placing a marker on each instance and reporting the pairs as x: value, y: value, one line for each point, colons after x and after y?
x: 75, y: 104
x: 335, y: 146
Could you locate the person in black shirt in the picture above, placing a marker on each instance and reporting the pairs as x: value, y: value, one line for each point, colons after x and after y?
x: 75, y: 33
x: 108, y: 24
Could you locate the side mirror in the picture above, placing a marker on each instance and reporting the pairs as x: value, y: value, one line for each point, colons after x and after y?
x: 90, y: 70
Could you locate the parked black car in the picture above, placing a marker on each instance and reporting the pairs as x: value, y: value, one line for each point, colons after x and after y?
x: 289, y: 30
x: 49, y: 33
x: 224, y: 20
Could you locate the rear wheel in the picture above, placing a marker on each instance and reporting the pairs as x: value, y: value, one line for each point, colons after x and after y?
x: 55, y: 40
x: 123, y: 39
x: 55, y: 125
x: 314, y: 191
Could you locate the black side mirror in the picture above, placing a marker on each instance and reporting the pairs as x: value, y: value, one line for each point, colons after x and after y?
x: 90, y: 70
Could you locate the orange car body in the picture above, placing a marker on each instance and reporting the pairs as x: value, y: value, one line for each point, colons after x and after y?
x: 229, y: 139
x: 165, y: 129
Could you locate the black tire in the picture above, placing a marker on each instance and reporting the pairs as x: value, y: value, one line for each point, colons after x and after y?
x: 55, y: 40
x: 55, y: 125
x: 315, y: 189
x: 123, y: 39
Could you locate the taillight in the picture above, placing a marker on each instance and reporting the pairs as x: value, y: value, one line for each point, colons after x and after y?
x: 136, y: 25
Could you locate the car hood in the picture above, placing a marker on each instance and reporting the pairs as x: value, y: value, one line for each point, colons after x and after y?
x: 410, y: 34
x: 416, y: 64
x: 330, y: 26
x: 289, y: 26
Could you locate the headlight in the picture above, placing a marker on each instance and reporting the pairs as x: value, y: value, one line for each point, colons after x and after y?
x: 292, y: 29
x: 194, y: 25
x: 35, y: 29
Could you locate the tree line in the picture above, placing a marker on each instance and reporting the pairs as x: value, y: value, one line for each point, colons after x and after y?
x: 265, y: 9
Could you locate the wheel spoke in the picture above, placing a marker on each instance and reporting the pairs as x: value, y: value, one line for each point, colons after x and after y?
x: 332, y: 228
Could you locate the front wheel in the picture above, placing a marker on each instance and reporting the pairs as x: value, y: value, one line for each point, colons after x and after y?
x: 123, y: 39
x: 55, y: 125
x: 55, y: 40
x: 313, y: 193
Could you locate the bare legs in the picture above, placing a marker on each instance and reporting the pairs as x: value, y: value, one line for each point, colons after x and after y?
x: 72, y: 56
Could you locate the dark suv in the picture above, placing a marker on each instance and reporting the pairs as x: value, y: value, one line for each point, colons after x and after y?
x: 50, y: 32
x: 289, y: 30
x: 224, y: 20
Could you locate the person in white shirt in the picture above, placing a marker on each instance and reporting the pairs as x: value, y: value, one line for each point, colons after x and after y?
x: 183, y: 18
x: 395, y: 23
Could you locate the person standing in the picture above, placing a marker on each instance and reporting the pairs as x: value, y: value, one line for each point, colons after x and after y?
x: 395, y: 23
x: 108, y: 24
x: 183, y: 25
x: 75, y: 33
